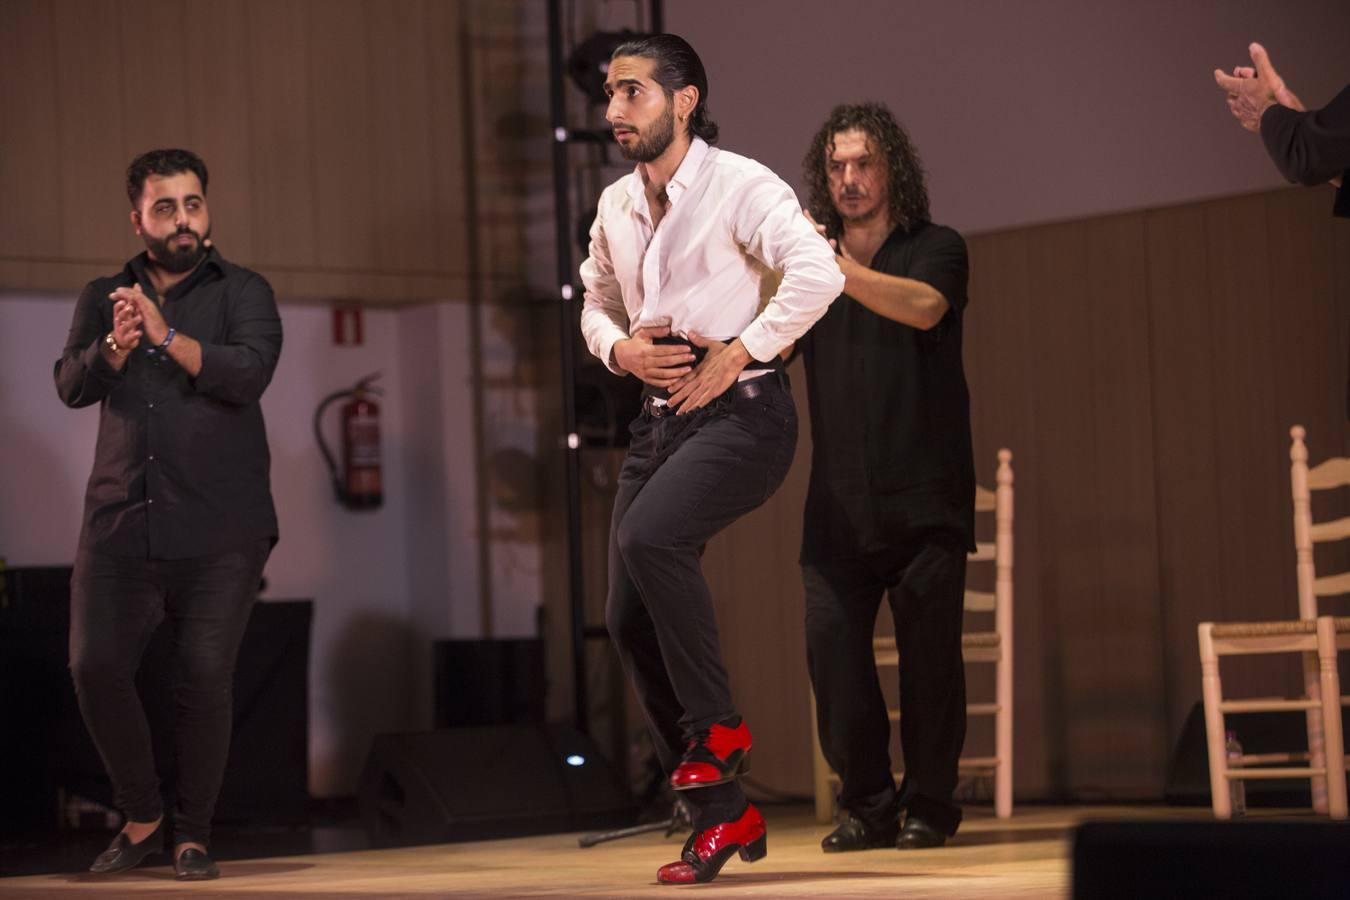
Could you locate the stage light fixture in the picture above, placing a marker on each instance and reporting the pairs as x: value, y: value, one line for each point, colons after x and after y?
x: 588, y: 64
x: 575, y: 760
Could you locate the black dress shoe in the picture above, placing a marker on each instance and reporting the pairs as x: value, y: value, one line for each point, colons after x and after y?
x: 919, y: 835
x: 194, y: 865
x: 122, y: 854
x: 859, y: 834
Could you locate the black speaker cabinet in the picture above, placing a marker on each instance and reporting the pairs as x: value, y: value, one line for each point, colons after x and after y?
x: 464, y: 784
x: 267, y: 775
x: 1303, y: 859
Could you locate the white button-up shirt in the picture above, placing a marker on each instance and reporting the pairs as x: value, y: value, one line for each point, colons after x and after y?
x: 712, y: 265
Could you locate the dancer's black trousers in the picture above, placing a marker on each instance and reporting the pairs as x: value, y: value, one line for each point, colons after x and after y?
x: 924, y: 581
x: 116, y: 605
x: 686, y: 478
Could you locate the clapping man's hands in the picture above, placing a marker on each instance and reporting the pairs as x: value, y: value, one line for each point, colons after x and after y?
x: 1253, y: 90
x: 147, y: 310
x: 127, y: 323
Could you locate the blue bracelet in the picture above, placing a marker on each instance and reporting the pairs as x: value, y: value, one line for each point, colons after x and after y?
x: 164, y: 347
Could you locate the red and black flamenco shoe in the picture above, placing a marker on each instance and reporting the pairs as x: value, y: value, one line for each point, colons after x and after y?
x: 715, y: 756
x: 707, y: 851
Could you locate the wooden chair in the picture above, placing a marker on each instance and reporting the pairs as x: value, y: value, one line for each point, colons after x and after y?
x: 1315, y: 637
x: 982, y: 646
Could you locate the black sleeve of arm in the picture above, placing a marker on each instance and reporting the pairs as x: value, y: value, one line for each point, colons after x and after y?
x: 1309, y: 147
x: 943, y: 264
x: 1342, y: 205
x: 83, y: 375
x: 239, y: 370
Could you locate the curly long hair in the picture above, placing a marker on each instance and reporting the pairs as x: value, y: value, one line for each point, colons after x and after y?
x: 905, y: 181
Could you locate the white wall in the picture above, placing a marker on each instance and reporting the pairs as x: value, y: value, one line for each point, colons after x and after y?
x: 1025, y: 111
x: 363, y: 647
x: 385, y: 583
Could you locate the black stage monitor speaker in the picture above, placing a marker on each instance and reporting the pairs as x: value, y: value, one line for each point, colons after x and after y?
x: 464, y: 784
x: 489, y: 682
x: 1229, y: 860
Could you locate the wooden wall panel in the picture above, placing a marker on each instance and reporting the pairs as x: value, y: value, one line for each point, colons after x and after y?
x: 1338, y: 239
x: 1059, y: 363
x: 1187, y: 490
x: 29, y: 123
x: 159, y: 78
x: 451, y: 129
x: 1117, y: 720
x: 999, y: 330
x: 1309, y: 342
x: 92, y: 148
x: 404, y: 217
x: 1306, y: 334
x: 282, y: 141
x: 219, y: 127
x: 334, y: 135
x: 345, y: 140
x: 1251, y: 456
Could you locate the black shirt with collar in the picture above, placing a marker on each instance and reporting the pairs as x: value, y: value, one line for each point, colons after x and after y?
x: 890, y: 414
x: 181, y: 468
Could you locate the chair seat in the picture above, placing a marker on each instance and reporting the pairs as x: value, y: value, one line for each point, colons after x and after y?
x: 886, y: 645
x: 1273, y: 629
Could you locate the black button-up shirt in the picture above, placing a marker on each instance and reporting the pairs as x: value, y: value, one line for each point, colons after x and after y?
x: 181, y: 468
x: 890, y: 413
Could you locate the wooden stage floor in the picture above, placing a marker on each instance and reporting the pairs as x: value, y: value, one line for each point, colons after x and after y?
x: 1026, y: 856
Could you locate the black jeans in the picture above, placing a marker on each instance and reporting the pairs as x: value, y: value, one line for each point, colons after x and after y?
x: 924, y: 581
x: 116, y: 605
x: 685, y: 478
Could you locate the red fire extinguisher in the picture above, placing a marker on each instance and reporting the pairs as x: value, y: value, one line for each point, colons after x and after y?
x: 359, y: 484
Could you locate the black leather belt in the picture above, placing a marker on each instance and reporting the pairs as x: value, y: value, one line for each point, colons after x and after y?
x: 741, y: 390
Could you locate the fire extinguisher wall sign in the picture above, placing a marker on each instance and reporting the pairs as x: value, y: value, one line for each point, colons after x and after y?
x: 359, y: 484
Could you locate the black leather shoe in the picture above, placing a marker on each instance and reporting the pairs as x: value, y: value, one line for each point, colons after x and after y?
x: 859, y: 834
x: 919, y: 835
x: 194, y: 865
x: 122, y: 854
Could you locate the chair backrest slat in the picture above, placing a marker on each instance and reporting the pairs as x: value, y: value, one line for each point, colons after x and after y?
x: 1332, y: 585
x: 1324, y: 532
x: 1332, y: 473
x: 980, y: 601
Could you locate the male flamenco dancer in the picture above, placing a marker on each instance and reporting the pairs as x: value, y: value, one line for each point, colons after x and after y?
x: 678, y: 252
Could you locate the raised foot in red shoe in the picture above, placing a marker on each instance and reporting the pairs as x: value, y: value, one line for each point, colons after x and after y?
x: 707, y: 851
x: 715, y: 756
